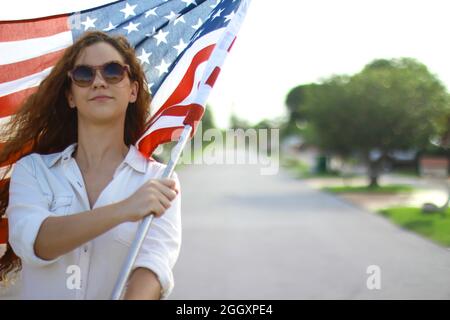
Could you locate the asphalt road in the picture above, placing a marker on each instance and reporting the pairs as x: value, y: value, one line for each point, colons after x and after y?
x: 249, y: 236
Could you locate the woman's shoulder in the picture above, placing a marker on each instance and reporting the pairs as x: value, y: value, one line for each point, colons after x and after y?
x: 26, y: 163
x: 47, y: 160
x: 36, y: 159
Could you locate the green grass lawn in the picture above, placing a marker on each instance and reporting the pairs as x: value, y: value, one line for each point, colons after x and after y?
x: 432, y: 225
x: 392, y: 188
x: 303, y: 170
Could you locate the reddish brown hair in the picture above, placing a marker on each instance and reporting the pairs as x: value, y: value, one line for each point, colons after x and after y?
x: 46, y: 124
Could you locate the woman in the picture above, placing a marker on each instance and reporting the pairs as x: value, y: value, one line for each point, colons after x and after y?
x: 78, y: 193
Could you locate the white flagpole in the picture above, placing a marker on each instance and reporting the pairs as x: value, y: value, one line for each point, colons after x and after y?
x: 146, y: 222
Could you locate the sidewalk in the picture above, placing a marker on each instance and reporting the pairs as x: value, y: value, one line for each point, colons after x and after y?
x: 427, y: 190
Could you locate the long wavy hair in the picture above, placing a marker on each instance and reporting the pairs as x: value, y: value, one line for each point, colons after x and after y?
x: 46, y: 124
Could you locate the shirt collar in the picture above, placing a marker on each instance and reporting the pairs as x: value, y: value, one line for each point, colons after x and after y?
x: 134, y: 157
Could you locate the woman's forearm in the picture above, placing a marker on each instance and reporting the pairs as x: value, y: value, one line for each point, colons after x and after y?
x: 143, y: 285
x: 59, y: 235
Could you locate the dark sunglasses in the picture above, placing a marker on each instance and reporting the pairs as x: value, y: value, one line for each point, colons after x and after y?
x: 113, y: 72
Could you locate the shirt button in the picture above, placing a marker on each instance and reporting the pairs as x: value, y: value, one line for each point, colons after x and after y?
x: 85, y: 248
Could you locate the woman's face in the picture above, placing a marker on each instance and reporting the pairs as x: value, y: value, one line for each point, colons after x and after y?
x: 101, y: 110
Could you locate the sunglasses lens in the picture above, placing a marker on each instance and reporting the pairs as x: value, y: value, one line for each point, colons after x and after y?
x: 113, y: 72
x: 83, y: 75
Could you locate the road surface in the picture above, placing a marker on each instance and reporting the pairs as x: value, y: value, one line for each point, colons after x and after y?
x: 249, y: 236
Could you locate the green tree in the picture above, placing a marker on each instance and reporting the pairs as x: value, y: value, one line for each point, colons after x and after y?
x: 295, y: 104
x: 390, y: 105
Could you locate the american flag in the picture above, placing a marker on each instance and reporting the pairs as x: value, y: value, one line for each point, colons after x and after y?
x: 181, y: 44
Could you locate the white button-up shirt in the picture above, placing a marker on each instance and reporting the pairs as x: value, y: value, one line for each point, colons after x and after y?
x: 52, y: 185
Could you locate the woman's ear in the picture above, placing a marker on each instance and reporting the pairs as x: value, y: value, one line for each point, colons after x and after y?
x: 134, y: 91
x: 70, y: 100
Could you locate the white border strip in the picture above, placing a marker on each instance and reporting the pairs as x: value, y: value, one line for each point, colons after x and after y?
x: 26, y: 9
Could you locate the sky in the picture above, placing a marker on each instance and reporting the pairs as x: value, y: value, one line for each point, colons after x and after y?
x: 286, y: 43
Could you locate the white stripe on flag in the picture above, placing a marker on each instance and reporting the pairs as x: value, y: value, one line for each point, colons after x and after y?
x: 193, y: 95
x: 23, y: 83
x: 161, y: 123
x: 15, y: 51
x: 166, y: 122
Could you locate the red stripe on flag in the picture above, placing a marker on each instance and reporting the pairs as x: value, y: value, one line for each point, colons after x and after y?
x: 14, y: 157
x: 213, y: 77
x: 14, y: 71
x: 11, y: 103
x: 231, y: 45
x: 179, y: 110
x: 193, y: 114
x: 193, y: 117
x: 148, y: 144
x: 33, y: 28
x: 185, y: 86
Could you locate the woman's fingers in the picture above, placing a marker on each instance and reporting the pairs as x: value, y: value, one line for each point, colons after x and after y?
x: 170, y: 193
x: 162, y: 198
x: 158, y: 209
x: 170, y: 183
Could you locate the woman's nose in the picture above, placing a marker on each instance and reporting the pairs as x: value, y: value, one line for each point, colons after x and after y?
x: 98, y: 80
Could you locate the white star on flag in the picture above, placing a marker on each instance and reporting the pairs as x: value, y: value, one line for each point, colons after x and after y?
x: 161, y: 37
x: 163, y: 67
x: 144, y: 56
x: 229, y: 16
x: 179, y: 19
x: 189, y: 2
x: 89, y: 23
x: 180, y: 46
x: 110, y: 27
x: 151, y: 12
x: 198, y: 25
x: 129, y: 10
x: 217, y: 14
x: 132, y: 27
x: 171, y: 16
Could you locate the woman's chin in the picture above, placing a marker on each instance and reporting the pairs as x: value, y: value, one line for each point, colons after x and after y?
x: 101, y: 114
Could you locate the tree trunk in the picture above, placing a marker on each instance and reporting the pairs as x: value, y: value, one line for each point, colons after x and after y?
x: 373, y: 181
x: 374, y: 171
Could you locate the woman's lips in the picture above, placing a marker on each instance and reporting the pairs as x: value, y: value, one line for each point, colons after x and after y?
x: 101, y: 98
